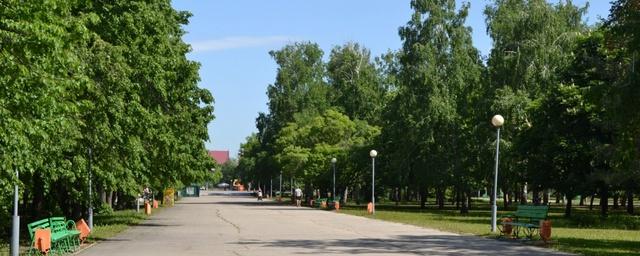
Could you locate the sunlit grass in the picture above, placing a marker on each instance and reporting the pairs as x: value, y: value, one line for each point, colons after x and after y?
x: 109, y: 225
x: 586, y: 233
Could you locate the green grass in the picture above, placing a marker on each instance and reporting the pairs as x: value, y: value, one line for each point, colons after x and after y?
x: 109, y: 225
x: 586, y: 233
x: 105, y: 226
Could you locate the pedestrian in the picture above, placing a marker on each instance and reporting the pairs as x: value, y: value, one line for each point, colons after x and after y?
x: 298, y: 195
x: 146, y: 192
x: 259, y: 194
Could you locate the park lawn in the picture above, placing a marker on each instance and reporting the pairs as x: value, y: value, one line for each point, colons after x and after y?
x: 105, y: 226
x: 109, y: 225
x: 586, y: 235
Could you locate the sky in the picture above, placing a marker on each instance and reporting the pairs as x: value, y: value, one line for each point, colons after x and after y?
x: 232, y: 38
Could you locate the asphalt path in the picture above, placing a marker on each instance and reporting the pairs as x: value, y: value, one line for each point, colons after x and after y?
x: 236, y: 224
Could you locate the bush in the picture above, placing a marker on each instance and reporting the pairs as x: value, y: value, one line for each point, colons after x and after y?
x: 104, y: 209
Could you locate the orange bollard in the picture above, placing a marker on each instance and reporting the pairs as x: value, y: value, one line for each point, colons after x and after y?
x: 42, y: 240
x: 155, y: 204
x: 337, y: 206
x: 370, y: 208
x: 147, y: 208
x: 545, y: 230
x: 82, y: 226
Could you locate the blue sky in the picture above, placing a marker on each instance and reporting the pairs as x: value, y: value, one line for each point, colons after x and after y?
x: 232, y: 39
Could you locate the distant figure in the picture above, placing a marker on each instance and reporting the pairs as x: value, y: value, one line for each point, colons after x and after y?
x: 298, y: 195
x: 146, y: 193
x: 259, y: 194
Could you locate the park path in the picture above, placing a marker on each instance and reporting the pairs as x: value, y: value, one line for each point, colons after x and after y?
x: 220, y: 224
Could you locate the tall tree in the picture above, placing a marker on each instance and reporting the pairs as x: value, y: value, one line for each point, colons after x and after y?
x: 438, y: 67
x: 355, y: 82
x: 622, y: 31
x: 530, y: 39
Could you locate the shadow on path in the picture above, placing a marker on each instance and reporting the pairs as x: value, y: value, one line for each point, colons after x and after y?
x: 418, y: 245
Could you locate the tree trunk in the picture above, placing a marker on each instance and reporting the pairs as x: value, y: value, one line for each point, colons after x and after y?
x: 38, y: 196
x: 457, y: 198
x: 604, y: 200
x: 582, y: 200
x: 465, y: 203
x: 536, y: 196
x: 505, y: 197
x: 545, y: 196
x: 440, y: 195
x: 591, y: 202
x: 509, y: 199
x: 109, y: 198
x: 616, y: 196
x: 346, y: 194
x: 423, y: 199
x: 103, y: 194
x: 567, y: 209
x: 558, y: 194
x: 396, y: 196
x: 630, y: 202
x: 116, y: 202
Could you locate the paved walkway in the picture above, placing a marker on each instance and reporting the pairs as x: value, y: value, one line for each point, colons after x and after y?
x: 236, y: 225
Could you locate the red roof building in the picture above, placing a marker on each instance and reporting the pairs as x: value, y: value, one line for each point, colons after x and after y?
x: 221, y: 156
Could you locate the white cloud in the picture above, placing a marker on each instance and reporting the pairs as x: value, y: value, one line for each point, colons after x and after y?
x: 238, y: 42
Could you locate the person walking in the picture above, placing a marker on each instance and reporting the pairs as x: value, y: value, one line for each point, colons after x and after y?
x: 298, y: 195
x: 259, y: 194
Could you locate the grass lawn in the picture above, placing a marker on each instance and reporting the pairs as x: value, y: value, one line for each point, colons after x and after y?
x: 104, y: 227
x: 586, y: 233
x: 109, y: 225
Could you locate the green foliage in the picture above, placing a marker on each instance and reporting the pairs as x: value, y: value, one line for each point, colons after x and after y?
x: 104, y: 209
x: 306, y: 146
x: 355, y: 82
x: 111, y: 77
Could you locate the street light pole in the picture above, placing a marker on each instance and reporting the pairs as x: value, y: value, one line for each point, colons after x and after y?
x: 280, y: 190
x: 15, y: 235
x: 333, y: 162
x: 90, y: 196
x: 373, y: 153
x: 497, y: 122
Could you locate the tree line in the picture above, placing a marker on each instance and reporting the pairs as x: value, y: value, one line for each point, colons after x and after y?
x: 100, y: 84
x: 568, y: 91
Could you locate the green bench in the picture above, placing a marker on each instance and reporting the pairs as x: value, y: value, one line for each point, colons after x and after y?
x: 64, y: 235
x: 318, y: 202
x: 526, y: 219
x: 331, y: 203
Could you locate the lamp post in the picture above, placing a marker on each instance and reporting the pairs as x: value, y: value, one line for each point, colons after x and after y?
x: 497, y: 122
x: 280, y: 189
x: 90, y: 197
x: 373, y: 153
x: 333, y: 162
x: 15, y: 235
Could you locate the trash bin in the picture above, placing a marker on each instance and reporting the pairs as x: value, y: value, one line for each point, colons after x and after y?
x: 506, y: 228
x: 191, y: 191
x: 147, y: 208
x: 545, y: 230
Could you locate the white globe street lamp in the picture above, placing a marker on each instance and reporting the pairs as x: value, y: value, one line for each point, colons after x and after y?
x: 497, y: 122
x: 333, y: 163
x: 15, y: 224
x: 373, y: 153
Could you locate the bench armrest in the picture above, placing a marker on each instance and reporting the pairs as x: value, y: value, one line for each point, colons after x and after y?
x: 71, y: 225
